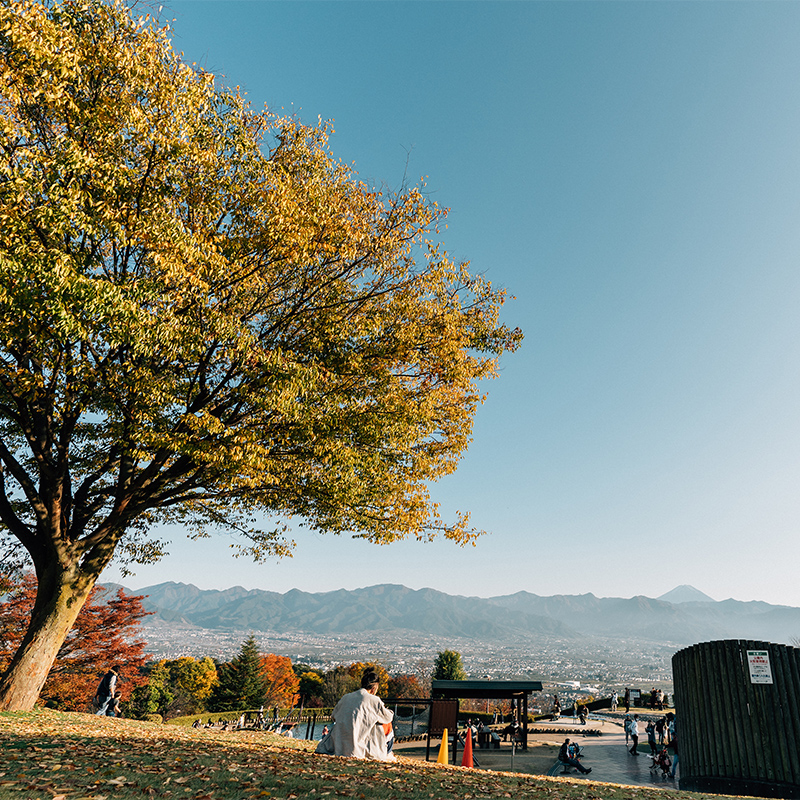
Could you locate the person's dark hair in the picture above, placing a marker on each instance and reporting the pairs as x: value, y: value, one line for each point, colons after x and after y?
x: 369, y: 678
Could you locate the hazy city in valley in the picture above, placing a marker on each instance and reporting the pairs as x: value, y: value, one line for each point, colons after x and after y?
x: 574, y: 669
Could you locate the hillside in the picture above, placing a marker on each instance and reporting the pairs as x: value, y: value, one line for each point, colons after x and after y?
x: 393, y: 608
x: 55, y: 755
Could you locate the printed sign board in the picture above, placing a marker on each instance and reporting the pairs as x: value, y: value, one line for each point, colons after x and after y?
x: 760, y: 670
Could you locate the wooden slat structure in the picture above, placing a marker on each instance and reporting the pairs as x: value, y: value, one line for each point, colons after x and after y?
x: 738, y: 718
x: 515, y: 691
x: 443, y: 717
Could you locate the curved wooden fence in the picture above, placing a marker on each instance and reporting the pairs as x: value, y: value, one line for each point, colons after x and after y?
x: 738, y: 718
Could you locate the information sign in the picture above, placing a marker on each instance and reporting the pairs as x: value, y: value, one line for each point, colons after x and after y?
x: 760, y: 669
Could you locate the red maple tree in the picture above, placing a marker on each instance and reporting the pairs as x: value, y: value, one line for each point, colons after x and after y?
x: 280, y: 682
x: 104, y: 634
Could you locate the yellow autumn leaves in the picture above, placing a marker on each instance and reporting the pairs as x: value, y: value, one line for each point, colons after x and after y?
x: 219, y: 317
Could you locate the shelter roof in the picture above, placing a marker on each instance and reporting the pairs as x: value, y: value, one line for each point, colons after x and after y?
x: 491, y: 690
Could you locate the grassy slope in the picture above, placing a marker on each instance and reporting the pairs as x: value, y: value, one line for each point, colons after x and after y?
x: 50, y: 755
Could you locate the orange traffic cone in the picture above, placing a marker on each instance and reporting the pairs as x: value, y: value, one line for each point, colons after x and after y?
x: 466, y: 761
x: 443, y: 749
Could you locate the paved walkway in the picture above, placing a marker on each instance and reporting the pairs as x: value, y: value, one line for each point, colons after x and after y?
x: 606, y: 754
x: 610, y: 760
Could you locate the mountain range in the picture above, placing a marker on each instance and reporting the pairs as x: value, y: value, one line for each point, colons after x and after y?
x: 682, y: 616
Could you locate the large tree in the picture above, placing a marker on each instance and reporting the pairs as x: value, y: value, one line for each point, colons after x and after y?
x: 206, y: 319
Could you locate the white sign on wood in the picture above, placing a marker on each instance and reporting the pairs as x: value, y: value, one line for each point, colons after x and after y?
x: 760, y: 670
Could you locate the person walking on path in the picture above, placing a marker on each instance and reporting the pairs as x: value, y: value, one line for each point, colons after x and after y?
x: 661, y: 726
x: 634, y: 751
x: 626, y: 725
x: 565, y: 758
x: 614, y: 700
x: 105, y: 690
x: 673, y: 743
x: 627, y: 700
x: 651, y: 738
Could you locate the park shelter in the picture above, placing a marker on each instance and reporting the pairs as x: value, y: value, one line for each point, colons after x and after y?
x: 515, y: 691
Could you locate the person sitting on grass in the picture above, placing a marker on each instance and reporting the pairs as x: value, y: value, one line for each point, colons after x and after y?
x: 359, y: 723
x: 565, y: 758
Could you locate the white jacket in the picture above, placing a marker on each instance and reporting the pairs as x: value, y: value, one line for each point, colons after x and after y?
x: 358, y: 732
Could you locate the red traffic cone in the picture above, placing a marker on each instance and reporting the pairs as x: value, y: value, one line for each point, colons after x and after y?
x: 466, y: 761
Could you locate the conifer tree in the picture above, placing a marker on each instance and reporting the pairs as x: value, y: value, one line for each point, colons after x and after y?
x: 240, y: 683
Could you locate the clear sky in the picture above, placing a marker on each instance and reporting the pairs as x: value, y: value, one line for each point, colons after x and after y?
x: 631, y: 173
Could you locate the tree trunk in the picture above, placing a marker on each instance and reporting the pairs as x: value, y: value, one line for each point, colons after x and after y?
x: 58, y: 603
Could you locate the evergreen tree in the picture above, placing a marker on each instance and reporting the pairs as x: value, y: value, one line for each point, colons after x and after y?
x: 240, y: 683
x: 448, y: 666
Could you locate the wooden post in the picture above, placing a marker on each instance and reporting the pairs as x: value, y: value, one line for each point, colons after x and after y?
x: 525, y: 722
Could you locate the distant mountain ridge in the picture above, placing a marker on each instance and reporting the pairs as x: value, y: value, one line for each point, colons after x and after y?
x: 377, y: 608
x: 522, y: 615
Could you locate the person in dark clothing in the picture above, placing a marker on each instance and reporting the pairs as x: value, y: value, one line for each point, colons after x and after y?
x: 565, y: 758
x: 651, y: 737
x: 105, y: 691
x: 113, y: 707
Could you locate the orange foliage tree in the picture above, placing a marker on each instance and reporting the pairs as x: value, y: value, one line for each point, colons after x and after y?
x: 406, y: 685
x: 105, y: 633
x: 279, y: 679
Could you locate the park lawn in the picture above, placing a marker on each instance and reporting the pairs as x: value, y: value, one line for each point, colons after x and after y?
x: 70, y: 756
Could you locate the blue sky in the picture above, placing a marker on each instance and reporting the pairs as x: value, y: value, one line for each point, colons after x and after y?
x: 631, y: 173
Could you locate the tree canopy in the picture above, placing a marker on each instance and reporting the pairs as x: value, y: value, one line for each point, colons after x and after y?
x: 205, y: 318
x: 448, y: 666
x: 280, y: 681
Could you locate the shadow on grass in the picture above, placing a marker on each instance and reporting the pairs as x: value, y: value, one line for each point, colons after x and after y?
x: 52, y: 755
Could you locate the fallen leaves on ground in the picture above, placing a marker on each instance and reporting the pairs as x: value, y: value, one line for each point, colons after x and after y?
x: 66, y: 756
